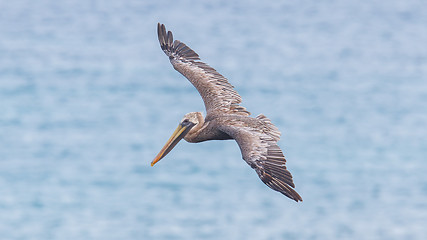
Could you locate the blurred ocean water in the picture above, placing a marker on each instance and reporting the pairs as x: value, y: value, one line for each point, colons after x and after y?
x: 87, y: 99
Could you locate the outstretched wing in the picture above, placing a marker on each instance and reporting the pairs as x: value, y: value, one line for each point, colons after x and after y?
x: 258, y: 144
x: 217, y: 93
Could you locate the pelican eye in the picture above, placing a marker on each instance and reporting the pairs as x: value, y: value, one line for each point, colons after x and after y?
x: 186, y: 122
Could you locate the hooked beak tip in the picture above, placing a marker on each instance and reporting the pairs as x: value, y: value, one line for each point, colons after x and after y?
x: 156, y: 160
x: 179, y: 134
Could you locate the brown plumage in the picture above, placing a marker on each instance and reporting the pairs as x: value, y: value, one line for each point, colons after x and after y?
x: 226, y: 119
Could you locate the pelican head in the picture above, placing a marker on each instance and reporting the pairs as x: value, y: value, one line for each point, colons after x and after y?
x: 190, y: 123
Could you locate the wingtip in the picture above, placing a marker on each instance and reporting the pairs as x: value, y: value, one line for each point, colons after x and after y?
x: 292, y: 194
x: 280, y: 186
x: 295, y: 195
x: 174, y: 48
x: 159, y: 33
x: 298, y: 198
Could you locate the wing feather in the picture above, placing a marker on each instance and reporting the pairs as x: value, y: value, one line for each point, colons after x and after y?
x: 257, y: 140
x: 217, y: 93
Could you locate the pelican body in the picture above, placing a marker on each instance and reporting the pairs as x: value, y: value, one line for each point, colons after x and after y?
x: 225, y: 119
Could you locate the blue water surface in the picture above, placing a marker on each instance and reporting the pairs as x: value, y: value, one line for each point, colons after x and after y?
x: 87, y: 99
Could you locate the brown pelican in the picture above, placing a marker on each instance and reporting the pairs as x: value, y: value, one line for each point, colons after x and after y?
x: 225, y: 119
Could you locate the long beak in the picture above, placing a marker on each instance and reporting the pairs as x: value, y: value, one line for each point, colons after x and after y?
x: 179, y: 134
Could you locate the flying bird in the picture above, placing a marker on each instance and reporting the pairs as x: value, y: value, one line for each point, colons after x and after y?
x: 225, y: 119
